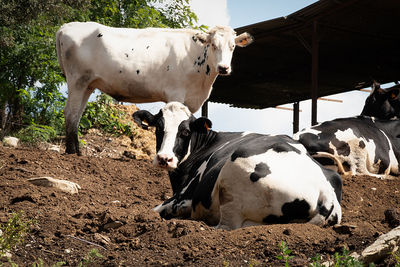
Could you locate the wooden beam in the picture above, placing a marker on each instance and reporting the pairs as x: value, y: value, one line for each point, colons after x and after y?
x: 286, y: 108
x: 330, y: 99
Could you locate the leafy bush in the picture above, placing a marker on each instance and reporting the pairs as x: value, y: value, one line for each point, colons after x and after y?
x: 36, y: 133
x: 285, y: 253
x: 13, y: 232
x: 102, y: 114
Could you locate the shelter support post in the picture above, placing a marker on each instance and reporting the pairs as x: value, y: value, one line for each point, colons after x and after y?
x: 296, y: 116
x: 314, y: 73
x: 204, y: 109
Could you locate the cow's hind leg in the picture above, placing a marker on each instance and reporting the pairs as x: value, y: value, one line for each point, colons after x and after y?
x: 76, y: 103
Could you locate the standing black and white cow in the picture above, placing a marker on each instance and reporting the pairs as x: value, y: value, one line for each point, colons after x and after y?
x: 368, y: 144
x: 234, y: 180
x: 141, y: 65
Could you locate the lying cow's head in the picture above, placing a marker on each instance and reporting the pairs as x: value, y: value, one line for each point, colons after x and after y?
x: 382, y: 103
x: 174, y: 124
x: 223, y: 40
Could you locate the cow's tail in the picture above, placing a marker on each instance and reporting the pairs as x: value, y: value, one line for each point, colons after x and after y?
x: 339, y: 164
x: 58, y: 47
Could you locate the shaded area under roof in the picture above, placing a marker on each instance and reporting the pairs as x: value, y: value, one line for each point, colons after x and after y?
x: 359, y: 40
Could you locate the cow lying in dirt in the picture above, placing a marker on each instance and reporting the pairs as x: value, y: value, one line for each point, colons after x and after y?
x: 362, y: 145
x: 234, y: 180
x: 141, y: 65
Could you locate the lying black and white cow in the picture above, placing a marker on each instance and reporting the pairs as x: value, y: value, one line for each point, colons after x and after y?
x: 383, y: 103
x: 234, y: 180
x: 363, y: 144
x: 358, y: 145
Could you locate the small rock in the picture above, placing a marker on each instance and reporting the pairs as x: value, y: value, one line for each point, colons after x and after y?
x: 63, y: 185
x: 382, y: 247
x: 54, y: 148
x: 105, y: 240
x: 392, y: 217
x: 287, y: 232
x: 10, y: 141
x: 344, y: 228
x: 113, y: 225
x: 67, y: 250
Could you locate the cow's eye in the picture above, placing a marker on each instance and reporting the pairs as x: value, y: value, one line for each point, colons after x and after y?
x: 185, y: 133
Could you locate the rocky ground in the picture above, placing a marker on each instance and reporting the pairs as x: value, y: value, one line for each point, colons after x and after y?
x: 113, y: 213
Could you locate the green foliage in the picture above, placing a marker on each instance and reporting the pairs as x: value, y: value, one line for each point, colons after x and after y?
x: 34, y: 134
x: 13, y: 232
x: 339, y: 260
x: 102, y: 114
x: 30, y: 77
x: 90, y: 258
x: 396, y: 256
x: 285, y: 253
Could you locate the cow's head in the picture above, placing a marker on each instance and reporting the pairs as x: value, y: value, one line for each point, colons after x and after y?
x: 382, y: 103
x: 222, y: 41
x: 174, y: 126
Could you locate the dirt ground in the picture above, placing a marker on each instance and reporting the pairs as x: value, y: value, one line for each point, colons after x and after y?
x: 113, y: 213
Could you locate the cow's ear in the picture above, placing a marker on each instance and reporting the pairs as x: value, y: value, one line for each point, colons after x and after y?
x: 376, y: 88
x: 201, y: 125
x: 141, y: 116
x: 394, y: 93
x: 202, y: 37
x: 244, y: 39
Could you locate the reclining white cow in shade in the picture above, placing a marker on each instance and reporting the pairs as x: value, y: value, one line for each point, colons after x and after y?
x: 141, y: 65
x: 234, y: 180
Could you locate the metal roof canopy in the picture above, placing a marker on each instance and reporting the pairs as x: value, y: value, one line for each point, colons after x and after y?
x: 326, y: 48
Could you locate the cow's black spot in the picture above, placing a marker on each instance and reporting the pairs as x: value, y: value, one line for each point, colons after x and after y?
x: 120, y: 71
x: 168, y: 68
x: 147, y: 47
x: 361, y: 144
x: 137, y: 72
x: 284, y: 147
x: 296, y: 210
x: 334, y: 220
x: 198, y: 58
x: 208, y: 70
x: 100, y: 35
x: 342, y: 148
x: 194, y: 38
x: 132, y: 49
x: 323, y: 210
x: 261, y: 170
x: 126, y: 55
x: 198, y: 70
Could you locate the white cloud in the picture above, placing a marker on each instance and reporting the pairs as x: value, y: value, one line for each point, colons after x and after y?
x: 211, y: 12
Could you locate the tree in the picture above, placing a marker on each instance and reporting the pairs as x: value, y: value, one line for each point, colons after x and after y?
x: 29, y: 73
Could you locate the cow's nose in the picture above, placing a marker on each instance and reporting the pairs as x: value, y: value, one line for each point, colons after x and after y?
x: 223, y: 69
x: 163, y: 160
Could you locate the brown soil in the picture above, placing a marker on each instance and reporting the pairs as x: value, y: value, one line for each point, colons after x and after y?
x: 121, y: 190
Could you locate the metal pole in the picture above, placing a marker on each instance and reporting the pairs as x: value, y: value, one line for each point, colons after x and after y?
x: 296, y: 116
x: 314, y: 74
x: 204, y: 109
